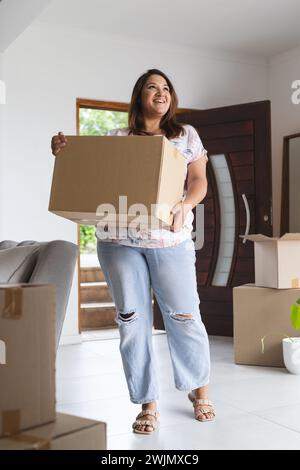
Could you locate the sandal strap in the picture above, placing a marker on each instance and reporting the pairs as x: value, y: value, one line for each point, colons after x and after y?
x: 203, y: 411
x: 202, y: 401
x: 144, y: 422
x: 148, y: 412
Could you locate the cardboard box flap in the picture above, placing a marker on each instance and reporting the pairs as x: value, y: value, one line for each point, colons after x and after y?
x: 258, y: 237
x: 290, y: 236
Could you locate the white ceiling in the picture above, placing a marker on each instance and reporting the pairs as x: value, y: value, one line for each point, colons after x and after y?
x: 261, y: 28
x: 256, y: 27
x: 16, y: 16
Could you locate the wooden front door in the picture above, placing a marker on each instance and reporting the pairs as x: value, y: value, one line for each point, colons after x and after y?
x: 238, y: 201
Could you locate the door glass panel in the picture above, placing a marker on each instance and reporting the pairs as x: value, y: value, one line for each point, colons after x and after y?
x: 227, y: 223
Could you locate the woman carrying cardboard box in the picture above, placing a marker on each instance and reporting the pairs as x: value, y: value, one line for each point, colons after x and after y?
x: 161, y: 259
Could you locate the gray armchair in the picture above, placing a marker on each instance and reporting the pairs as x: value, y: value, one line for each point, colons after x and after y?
x: 50, y: 262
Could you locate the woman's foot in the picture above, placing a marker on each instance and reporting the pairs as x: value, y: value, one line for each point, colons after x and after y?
x: 203, y: 407
x: 150, y: 418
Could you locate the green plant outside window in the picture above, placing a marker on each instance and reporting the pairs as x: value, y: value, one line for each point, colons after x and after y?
x: 97, y: 122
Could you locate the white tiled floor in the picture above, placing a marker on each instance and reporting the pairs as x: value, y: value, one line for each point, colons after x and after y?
x: 257, y: 407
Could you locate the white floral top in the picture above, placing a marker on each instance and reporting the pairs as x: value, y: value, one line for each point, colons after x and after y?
x: 191, y: 147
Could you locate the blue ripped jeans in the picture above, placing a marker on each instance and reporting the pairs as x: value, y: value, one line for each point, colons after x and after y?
x: 130, y: 273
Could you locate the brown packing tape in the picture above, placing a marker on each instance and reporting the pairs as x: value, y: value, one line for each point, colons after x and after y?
x: 11, y: 421
x: 295, y: 283
x: 12, y: 303
x: 36, y: 443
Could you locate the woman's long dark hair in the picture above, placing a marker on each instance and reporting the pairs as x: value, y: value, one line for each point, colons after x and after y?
x: 168, y: 122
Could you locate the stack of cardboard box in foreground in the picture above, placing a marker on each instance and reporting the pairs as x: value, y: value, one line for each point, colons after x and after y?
x: 27, y: 376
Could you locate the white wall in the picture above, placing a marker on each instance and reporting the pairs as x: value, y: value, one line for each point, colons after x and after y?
x: 47, y: 68
x: 1, y: 66
x: 15, y: 16
x: 283, y: 70
x: 2, y: 108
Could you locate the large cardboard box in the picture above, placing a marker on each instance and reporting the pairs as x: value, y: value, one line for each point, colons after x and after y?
x: 277, y: 260
x: 27, y: 362
x: 95, y: 170
x: 261, y: 313
x: 65, y: 433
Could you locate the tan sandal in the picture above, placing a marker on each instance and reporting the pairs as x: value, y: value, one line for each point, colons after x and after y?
x: 145, y: 422
x: 197, y: 402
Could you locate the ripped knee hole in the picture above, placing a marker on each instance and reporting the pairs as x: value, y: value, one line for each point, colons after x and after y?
x: 181, y: 316
x: 125, y: 317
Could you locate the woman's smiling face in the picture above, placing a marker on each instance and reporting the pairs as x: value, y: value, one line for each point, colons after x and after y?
x: 155, y: 97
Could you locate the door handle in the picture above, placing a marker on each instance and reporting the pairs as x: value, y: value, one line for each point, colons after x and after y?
x: 247, y: 216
